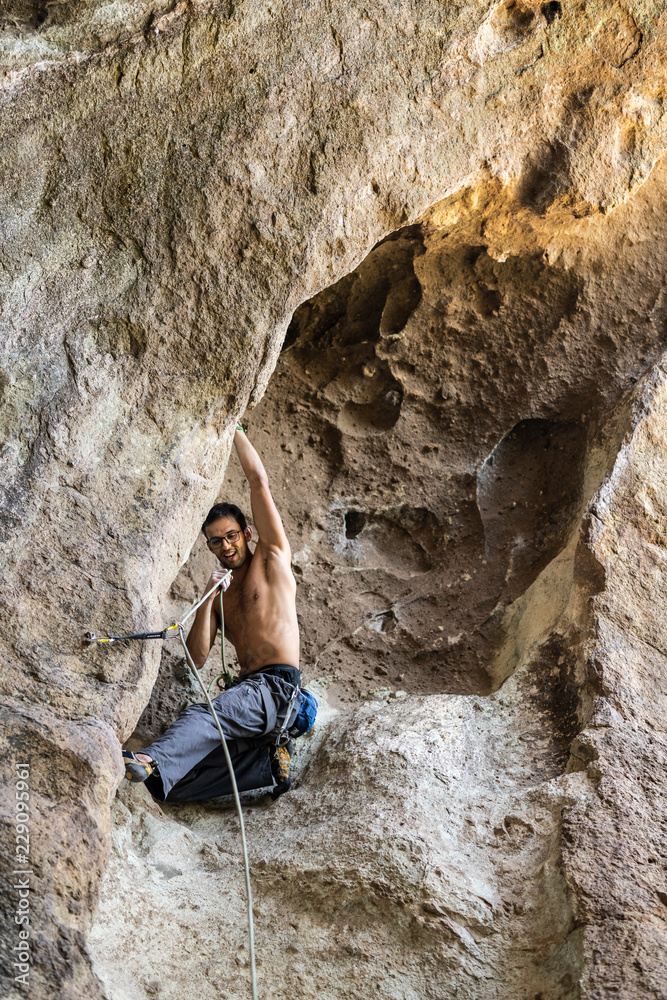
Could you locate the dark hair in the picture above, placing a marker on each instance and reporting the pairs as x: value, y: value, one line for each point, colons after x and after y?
x: 225, y: 510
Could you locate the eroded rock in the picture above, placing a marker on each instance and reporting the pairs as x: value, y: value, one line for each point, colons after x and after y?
x: 520, y: 805
x: 174, y: 183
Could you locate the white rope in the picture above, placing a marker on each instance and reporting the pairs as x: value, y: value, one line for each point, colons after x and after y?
x: 251, y: 925
x: 199, y: 603
x: 181, y: 634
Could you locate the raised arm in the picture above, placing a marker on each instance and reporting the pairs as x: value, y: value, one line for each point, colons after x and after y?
x: 264, y: 511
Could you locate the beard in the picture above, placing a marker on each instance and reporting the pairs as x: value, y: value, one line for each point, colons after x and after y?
x: 236, y: 559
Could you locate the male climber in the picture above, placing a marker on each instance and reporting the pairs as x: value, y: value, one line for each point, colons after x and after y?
x: 187, y: 763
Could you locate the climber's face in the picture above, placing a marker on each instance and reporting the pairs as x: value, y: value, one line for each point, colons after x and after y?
x: 228, y: 542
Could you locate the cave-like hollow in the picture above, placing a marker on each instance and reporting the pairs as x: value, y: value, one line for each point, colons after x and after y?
x: 436, y: 426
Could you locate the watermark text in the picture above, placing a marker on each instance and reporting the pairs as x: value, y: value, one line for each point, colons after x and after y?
x: 22, y: 875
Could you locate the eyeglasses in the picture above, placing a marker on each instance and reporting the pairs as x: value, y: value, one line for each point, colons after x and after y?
x: 231, y: 538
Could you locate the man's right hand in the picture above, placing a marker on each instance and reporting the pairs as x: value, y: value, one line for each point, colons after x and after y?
x: 221, y: 576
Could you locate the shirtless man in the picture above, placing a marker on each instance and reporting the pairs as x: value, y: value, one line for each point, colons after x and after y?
x: 187, y: 762
x: 260, y: 604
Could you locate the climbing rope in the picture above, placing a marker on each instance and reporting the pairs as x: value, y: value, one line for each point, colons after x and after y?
x: 237, y: 800
x: 226, y: 673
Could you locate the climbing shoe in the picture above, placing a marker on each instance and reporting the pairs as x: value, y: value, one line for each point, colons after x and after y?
x: 137, y: 770
x: 280, y: 762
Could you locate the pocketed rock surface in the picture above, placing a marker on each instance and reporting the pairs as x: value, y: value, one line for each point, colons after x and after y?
x: 456, y: 214
x: 489, y: 821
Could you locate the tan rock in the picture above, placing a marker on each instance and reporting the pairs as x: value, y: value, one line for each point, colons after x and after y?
x: 174, y: 183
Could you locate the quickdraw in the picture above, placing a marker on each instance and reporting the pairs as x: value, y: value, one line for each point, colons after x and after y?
x: 91, y: 638
x: 164, y: 634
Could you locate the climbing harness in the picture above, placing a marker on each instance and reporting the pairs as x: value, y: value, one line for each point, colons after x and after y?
x: 226, y: 673
x: 283, y: 736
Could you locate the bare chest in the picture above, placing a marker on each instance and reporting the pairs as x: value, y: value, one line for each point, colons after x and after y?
x: 244, y: 606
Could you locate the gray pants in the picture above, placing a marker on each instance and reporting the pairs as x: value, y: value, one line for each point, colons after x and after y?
x: 190, y: 757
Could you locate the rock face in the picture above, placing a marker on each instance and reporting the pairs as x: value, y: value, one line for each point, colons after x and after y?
x: 614, y: 849
x: 437, y: 424
x: 471, y: 195
x: 472, y: 828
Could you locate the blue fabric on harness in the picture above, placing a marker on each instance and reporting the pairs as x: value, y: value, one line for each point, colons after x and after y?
x: 306, y: 716
x: 308, y: 707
